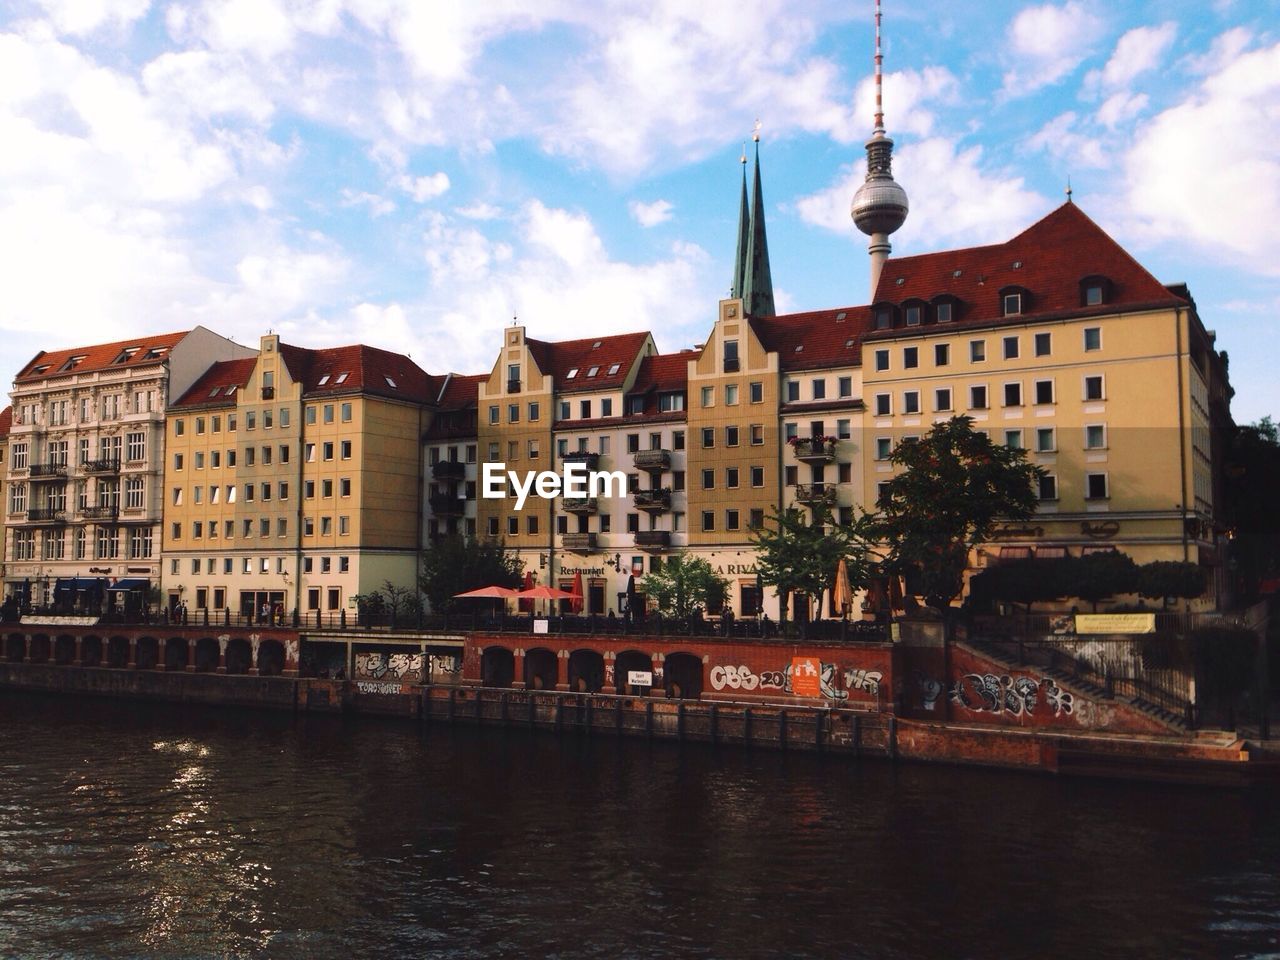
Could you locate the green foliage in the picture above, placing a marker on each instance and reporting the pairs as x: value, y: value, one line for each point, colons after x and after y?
x: 456, y: 565
x: 685, y: 586
x: 1024, y: 581
x: 1164, y: 579
x: 800, y: 555
x: 1252, y: 477
x: 1101, y: 575
x: 398, y: 603
x: 955, y: 487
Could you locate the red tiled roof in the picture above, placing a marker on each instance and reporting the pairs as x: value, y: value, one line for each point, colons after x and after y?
x: 629, y: 420
x: 825, y: 338
x: 1053, y: 255
x: 461, y: 391
x: 368, y: 370
x: 558, y: 358
x: 664, y: 372
x: 102, y: 356
x: 211, y: 389
x: 6, y: 421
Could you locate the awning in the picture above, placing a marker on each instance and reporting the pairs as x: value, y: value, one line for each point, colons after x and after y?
x: 80, y: 583
x: 129, y: 584
x: 1015, y: 553
x: 1050, y: 553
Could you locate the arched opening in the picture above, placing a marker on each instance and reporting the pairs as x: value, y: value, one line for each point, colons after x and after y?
x: 64, y: 650
x: 239, y: 656
x: 586, y: 671
x: 91, y: 651
x: 541, y: 671
x: 40, y: 648
x: 270, y: 658
x: 497, y: 667
x: 15, y: 647
x: 206, y: 655
x: 627, y: 663
x: 175, y: 653
x: 682, y: 676
x: 148, y: 654
x: 118, y: 653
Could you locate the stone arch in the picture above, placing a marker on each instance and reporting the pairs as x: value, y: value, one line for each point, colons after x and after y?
x: 586, y: 671
x: 239, y: 656
x: 541, y: 669
x: 64, y: 649
x: 497, y: 667
x: 206, y: 655
x: 175, y: 653
x: 91, y: 651
x: 41, y: 649
x: 682, y: 676
x: 270, y: 658
x: 626, y: 662
x: 15, y: 647
x: 118, y: 652
x: 148, y: 653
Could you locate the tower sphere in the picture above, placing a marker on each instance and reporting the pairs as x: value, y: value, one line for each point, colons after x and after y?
x: 879, y: 206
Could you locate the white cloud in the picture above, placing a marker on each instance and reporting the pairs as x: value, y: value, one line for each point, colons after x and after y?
x: 378, y: 206
x: 479, y: 211
x: 423, y: 189
x: 906, y: 96
x: 1206, y: 169
x: 1121, y: 107
x: 1140, y: 50
x: 1046, y: 43
x: 650, y: 214
x: 1062, y: 138
x: 86, y: 16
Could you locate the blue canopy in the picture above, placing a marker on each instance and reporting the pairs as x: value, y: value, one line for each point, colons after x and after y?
x: 131, y: 583
x: 80, y: 583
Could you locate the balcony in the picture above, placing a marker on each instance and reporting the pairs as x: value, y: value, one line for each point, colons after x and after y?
x: 444, y: 505
x: 814, y: 449
x: 591, y: 460
x: 46, y: 515
x: 653, y: 540
x: 653, y: 501
x: 110, y: 465
x: 268, y: 393
x: 655, y: 460
x: 48, y: 471
x: 732, y: 365
x: 100, y: 513
x: 448, y: 470
x: 580, y: 542
x: 513, y: 386
x: 816, y: 494
x: 580, y: 504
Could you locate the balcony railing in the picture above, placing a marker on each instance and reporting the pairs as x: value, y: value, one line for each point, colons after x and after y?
x: 100, y: 513
x: 46, y: 515
x: 654, y: 501
x: 732, y: 365
x: 443, y: 505
x: 513, y: 386
x: 816, y: 494
x: 653, y: 539
x: 653, y: 459
x: 48, y: 471
x: 815, y: 449
x: 580, y: 504
x: 591, y: 460
x: 448, y: 470
x: 580, y: 542
x: 109, y: 465
x: 268, y: 393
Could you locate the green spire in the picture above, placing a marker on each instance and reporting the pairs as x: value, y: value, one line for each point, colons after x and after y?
x: 758, y: 284
x: 744, y: 230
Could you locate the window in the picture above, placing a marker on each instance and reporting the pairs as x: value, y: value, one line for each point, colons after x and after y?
x: 1095, y: 486
x: 708, y: 520
x: 606, y: 406
x: 911, y: 401
x: 493, y: 414
x: 177, y: 461
x: 584, y: 409
x: 884, y: 318
x: 1046, y: 440
x: 1013, y: 394
x: 326, y: 489
x: 942, y: 399
x: 1048, y: 488
x: 793, y: 391
x: 910, y: 357
x: 179, y: 427
x: 978, y: 397
x: 757, y: 476
x: 731, y: 394
x: 1012, y: 304
x: 730, y: 436
x: 677, y: 440
x: 1095, y: 436
x: 757, y: 392
x: 1093, y: 294
x: 977, y: 351
x: 1044, y: 391
x: 731, y: 477
x: 913, y: 316
x: 708, y: 479
x: 943, y: 312
x: 708, y: 396
x: 884, y: 447
x: 844, y: 386
x: 1044, y: 344
x: 708, y: 437
x: 731, y: 521
x: 250, y: 456
x: 884, y: 405
x: 531, y: 524
x: 1093, y: 338
x: 1010, y: 348
x: 250, y: 420
x: 1093, y: 387
x: 344, y: 487
x: 882, y: 360
x: 1013, y: 439
x: 941, y: 354
x: 757, y: 434
x: 137, y: 447
x: 328, y: 449
x: 534, y: 449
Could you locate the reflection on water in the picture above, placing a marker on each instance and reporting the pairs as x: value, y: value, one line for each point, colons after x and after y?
x: 168, y: 831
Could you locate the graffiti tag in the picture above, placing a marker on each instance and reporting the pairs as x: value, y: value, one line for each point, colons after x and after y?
x: 386, y: 688
x: 868, y: 680
x: 1017, y: 696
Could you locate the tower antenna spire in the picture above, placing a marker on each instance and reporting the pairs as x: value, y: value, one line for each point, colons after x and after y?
x: 879, y: 76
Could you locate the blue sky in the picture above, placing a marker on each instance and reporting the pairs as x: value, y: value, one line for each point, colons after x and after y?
x: 414, y: 174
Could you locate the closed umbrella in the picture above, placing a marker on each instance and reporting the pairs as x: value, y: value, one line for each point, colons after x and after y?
x: 841, y: 595
x: 576, y: 602
x: 631, y: 597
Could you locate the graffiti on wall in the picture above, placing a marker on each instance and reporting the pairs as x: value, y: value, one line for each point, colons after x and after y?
x: 1017, y: 696
x: 388, y: 666
x: 930, y: 690
x: 868, y: 680
x: 828, y: 676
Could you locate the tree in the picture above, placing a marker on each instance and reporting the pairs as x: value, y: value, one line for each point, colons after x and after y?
x: 801, y: 555
x: 1024, y: 581
x: 1164, y: 579
x: 397, y: 603
x: 1252, y: 477
x: 454, y: 565
x: 955, y: 487
x: 685, y: 586
x: 1100, y: 575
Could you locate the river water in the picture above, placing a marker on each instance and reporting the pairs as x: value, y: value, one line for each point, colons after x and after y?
x: 163, y: 831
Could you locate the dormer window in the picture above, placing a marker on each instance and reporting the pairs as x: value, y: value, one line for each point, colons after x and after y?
x: 390, y: 383
x: 155, y: 353
x: 593, y: 371
x: 1095, y: 291
x: 883, y: 318
x: 214, y: 392
x: 571, y: 374
x: 342, y: 377
x: 324, y: 380
x: 912, y: 315
x: 944, y: 311
x: 71, y: 364
x: 1012, y: 304
x: 613, y: 368
x: 126, y: 355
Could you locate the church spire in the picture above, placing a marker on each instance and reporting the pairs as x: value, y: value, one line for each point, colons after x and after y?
x: 758, y: 284
x: 744, y: 231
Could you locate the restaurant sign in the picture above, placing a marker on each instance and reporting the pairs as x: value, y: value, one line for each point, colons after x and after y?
x: 1095, y: 623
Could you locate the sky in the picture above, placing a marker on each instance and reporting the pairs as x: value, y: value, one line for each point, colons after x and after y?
x: 415, y: 175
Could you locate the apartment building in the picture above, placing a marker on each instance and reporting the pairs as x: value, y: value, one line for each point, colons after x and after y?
x: 451, y: 444
x: 86, y: 453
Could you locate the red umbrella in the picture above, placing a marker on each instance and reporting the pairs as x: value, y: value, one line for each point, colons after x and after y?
x: 576, y: 603
x: 526, y: 605
x: 492, y: 593
x: 543, y: 592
